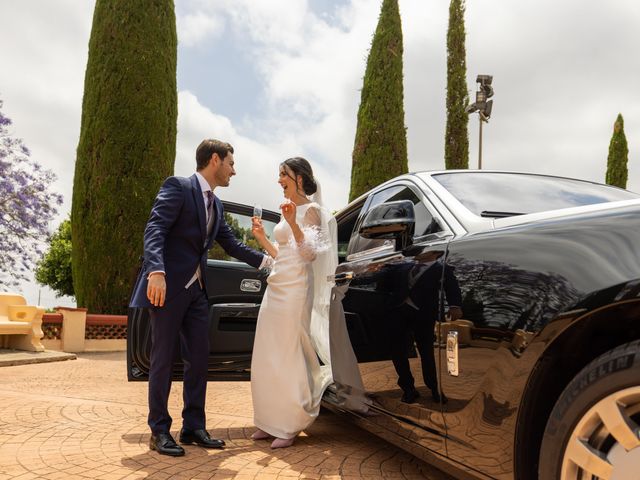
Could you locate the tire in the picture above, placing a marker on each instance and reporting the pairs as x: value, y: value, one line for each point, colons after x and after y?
x: 592, y: 432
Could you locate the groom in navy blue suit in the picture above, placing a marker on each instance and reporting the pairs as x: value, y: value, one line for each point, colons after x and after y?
x: 185, y: 220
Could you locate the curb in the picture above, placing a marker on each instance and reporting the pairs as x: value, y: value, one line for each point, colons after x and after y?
x: 9, y: 358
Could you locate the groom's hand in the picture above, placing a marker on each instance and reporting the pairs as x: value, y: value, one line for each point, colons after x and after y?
x: 156, y: 289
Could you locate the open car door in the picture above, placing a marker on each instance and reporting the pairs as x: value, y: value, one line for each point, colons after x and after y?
x: 235, y: 291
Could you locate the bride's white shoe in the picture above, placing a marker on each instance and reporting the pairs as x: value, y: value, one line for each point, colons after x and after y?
x: 282, y: 442
x: 260, y: 435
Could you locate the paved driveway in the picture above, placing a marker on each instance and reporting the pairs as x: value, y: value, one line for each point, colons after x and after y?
x: 82, y: 419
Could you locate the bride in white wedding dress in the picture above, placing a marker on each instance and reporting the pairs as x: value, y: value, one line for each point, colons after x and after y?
x: 292, y: 333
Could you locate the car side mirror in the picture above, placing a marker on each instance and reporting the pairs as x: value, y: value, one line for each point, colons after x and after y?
x: 394, y: 220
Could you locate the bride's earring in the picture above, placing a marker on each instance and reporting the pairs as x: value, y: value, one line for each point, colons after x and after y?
x: 299, y: 189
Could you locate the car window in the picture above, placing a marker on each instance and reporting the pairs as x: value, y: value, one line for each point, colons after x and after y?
x: 359, y: 244
x: 346, y: 224
x: 425, y: 221
x: 497, y: 194
x: 241, y: 227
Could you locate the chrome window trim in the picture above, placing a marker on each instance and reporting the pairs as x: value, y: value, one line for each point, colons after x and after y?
x: 409, y: 180
x: 387, y: 247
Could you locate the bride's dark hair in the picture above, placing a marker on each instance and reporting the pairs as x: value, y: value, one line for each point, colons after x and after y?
x: 300, y: 166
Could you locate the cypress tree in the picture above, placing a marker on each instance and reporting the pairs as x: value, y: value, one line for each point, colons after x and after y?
x: 618, y: 155
x: 456, y: 141
x: 127, y: 145
x: 380, y: 149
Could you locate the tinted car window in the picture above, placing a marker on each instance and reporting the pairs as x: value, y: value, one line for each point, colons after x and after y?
x: 358, y: 243
x: 425, y: 222
x: 385, y: 195
x: 521, y: 193
x: 346, y: 226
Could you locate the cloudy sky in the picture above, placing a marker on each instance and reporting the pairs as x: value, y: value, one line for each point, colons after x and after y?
x: 279, y: 78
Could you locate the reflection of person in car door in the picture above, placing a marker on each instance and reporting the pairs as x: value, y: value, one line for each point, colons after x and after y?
x: 416, y: 312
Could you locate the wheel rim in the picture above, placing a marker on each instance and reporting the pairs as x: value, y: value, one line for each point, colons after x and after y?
x: 605, y: 444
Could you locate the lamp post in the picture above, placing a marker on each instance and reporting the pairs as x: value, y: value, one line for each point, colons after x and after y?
x: 483, y: 106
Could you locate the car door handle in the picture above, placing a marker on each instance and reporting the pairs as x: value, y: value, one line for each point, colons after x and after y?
x: 250, y: 285
x: 341, y: 278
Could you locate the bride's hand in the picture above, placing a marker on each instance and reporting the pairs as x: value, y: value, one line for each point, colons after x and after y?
x: 289, y: 212
x: 257, y: 229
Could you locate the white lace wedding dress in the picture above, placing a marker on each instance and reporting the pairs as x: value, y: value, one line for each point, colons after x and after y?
x: 287, y: 378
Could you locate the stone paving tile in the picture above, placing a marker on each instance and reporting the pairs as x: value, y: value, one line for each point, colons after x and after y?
x: 82, y: 419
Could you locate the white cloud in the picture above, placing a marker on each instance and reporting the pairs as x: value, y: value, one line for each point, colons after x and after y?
x: 196, y: 28
x: 312, y: 72
x: 42, y: 78
x: 256, y: 164
x: 561, y: 75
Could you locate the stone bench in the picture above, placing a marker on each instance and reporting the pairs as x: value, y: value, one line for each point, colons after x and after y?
x: 20, y: 324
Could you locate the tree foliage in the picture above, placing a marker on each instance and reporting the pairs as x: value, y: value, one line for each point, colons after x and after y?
x: 380, y: 148
x: 54, y: 269
x: 127, y: 145
x: 26, y: 206
x: 456, y: 145
x: 241, y: 233
x: 618, y: 156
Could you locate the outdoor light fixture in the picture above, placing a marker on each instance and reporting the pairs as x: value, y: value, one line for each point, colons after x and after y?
x: 483, y: 106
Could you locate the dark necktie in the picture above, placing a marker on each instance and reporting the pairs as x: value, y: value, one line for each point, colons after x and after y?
x: 209, y: 205
x: 209, y: 214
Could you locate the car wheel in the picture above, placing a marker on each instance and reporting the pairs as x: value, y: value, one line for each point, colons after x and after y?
x: 592, y: 432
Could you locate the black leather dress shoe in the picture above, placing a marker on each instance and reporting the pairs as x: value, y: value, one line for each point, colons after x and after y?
x: 410, y: 396
x: 200, y: 437
x: 164, y: 444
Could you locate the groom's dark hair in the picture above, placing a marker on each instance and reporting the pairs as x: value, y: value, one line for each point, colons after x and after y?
x: 207, y: 148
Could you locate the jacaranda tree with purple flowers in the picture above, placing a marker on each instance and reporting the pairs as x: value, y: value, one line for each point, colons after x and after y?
x: 26, y: 206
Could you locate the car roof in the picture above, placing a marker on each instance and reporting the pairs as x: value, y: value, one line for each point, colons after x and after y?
x: 471, y: 222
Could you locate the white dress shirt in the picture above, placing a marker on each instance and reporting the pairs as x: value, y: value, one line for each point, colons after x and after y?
x: 205, y: 187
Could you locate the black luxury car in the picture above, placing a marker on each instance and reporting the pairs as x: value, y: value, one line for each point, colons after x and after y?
x: 516, y: 299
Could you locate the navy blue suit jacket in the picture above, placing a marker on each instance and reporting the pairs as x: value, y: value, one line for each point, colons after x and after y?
x: 175, y: 239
